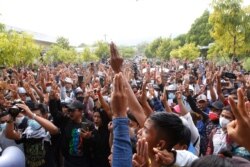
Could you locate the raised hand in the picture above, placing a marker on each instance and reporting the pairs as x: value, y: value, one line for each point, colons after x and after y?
x: 141, y: 158
x: 115, y: 61
x: 119, y: 101
x: 239, y: 129
x: 163, y: 157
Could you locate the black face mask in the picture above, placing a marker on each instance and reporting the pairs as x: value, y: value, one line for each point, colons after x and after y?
x: 80, y: 99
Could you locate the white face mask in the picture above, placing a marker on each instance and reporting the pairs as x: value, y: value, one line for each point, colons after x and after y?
x: 28, y: 98
x: 19, y: 120
x: 48, y: 89
x: 224, y: 122
x: 2, y: 126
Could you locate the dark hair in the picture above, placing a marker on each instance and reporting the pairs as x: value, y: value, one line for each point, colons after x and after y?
x: 185, y: 137
x: 43, y: 108
x: 103, y: 115
x: 169, y: 126
x: 212, y: 160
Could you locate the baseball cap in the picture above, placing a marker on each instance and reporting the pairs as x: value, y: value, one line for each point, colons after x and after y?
x: 201, y: 97
x: 21, y: 90
x: 217, y: 105
x: 76, y: 105
x: 68, y: 80
x: 78, y: 90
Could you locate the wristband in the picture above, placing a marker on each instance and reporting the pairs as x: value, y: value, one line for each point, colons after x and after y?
x: 33, y: 116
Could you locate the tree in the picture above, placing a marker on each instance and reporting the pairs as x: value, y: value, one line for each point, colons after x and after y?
x: 182, y: 39
x: 87, y: 55
x: 126, y: 51
x: 199, y: 32
x: 187, y: 52
x: 57, y: 54
x: 2, y: 27
x: 166, y: 46
x: 101, y: 49
x: 17, y: 49
x: 230, y: 26
x: 151, y: 49
x: 63, y: 43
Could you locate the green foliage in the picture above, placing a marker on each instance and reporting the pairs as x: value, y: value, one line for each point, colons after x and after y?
x: 246, y: 64
x: 88, y: 56
x: 102, y: 49
x: 230, y: 27
x: 2, y: 27
x: 17, y: 49
x: 151, y: 49
x: 182, y: 39
x: 127, y: 52
x: 167, y: 45
x: 187, y: 52
x: 63, y: 43
x: 200, y: 31
x: 161, y: 48
x: 59, y: 54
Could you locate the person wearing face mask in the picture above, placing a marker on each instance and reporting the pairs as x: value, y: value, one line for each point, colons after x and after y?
x: 214, y: 115
x: 218, y: 139
x: 36, y: 137
x: 4, y: 141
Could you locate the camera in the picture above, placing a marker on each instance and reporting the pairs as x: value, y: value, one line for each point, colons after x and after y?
x: 15, y: 110
x: 229, y: 75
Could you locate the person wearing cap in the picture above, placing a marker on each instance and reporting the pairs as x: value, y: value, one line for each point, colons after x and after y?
x: 214, y: 115
x: 67, y: 89
x: 75, y: 133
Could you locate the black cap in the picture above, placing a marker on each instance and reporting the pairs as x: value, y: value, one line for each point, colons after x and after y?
x: 76, y: 105
x: 217, y: 105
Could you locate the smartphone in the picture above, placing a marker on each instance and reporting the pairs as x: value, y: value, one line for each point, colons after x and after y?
x: 85, y: 126
x: 80, y: 78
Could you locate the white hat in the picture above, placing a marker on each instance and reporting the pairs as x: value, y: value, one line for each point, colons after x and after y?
x: 201, y: 97
x: 68, y: 80
x: 191, y: 87
x: 78, y: 90
x: 171, y: 87
x: 21, y: 90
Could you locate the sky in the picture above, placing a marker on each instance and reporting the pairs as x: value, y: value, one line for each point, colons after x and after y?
x: 126, y: 22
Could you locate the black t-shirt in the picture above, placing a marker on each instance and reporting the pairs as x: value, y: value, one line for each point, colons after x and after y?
x: 76, y: 150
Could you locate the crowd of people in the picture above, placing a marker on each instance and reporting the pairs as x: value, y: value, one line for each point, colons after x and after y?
x: 122, y: 114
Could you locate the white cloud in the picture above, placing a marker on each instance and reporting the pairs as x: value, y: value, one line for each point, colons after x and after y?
x: 124, y: 21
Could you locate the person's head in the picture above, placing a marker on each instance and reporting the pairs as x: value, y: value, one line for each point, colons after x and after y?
x: 75, y: 110
x: 99, y: 117
x: 202, y: 102
x: 79, y: 94
x: 185, y: 140
x: 212, y: 160
x: 39, y: 109
x: 22, y: 93
x: 216, y: 109
x: 226, y: 117
x: 68, y: 83
x: 133, y: 123
x: 161, y: 130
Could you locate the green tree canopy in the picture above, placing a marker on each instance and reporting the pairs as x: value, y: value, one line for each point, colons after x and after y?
x: 230, y: 26
x: 63, y: 43
x: 88, y: 56
x: 101, y: 49
x: 126, y: 51
x: 200, y: 31
x: 17, y: 49
x: 187, y: 52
